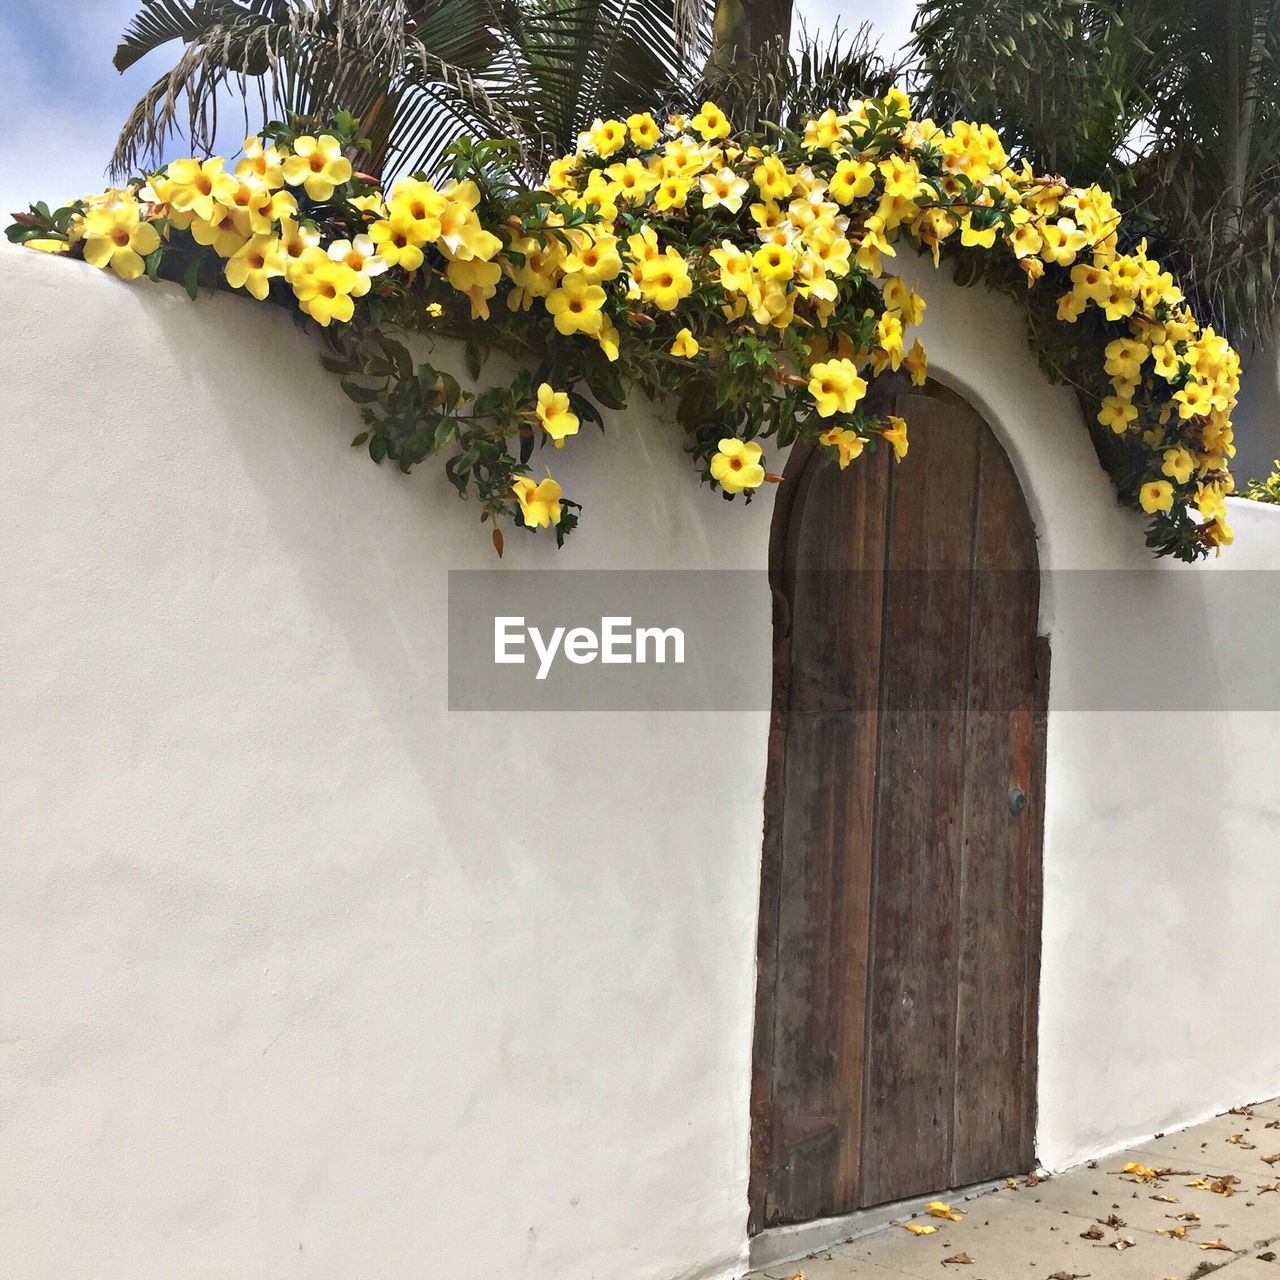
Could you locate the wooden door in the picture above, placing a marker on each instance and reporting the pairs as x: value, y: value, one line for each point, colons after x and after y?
x: 900, y: 901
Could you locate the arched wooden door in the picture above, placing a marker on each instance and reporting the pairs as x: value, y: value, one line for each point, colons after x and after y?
x: 900, y: 909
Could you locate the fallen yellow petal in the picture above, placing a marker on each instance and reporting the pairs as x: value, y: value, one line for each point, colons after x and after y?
x: 1219, y: 1243
x: 940, y: 1209
x: 919, y: 1228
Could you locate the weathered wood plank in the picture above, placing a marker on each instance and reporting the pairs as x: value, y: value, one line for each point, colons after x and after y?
x: 817, y: 1037
x: 992, y: 1072
x: 910, y: 1056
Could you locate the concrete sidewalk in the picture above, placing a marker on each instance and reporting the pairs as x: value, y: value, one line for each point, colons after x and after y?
x: 1097, y: 1220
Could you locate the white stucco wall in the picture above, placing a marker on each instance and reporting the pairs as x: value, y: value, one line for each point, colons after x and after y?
x: 306, y: 976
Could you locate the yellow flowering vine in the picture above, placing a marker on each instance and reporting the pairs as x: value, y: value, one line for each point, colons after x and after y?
x: 759, y: 286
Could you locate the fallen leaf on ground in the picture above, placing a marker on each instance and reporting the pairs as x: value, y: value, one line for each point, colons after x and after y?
x: 1272, y: 1124
x: 1070, y: 1275
x: 1268, y: 1186
x: 1166, y: 1199
x: 918, y: 1228
x: 1219, y: 1243
x: 1174, y: 1233
x: 940, y: 1209
x: 1093, y: 1233
x: 1115, y: 1222
x: 1121, y: 1244
x: 1140, y: 1172
x: 1237, y: 1140
x: 1271, y: 1159
x: 1247, y: 1112
x: 961, y: 1259
x: 1223, y: 1186
x: 1189, y: 1216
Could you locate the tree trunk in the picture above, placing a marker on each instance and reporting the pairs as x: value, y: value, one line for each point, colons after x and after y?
x: 744, y: 27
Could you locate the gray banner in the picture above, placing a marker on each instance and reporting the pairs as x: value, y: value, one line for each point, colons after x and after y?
x: 1200, y: 639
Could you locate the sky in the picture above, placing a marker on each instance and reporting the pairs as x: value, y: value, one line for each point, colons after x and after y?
x: 62, y: 102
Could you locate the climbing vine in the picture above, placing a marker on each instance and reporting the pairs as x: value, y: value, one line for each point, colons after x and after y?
x: 757, y: 283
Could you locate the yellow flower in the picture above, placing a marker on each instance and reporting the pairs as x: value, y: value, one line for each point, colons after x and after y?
x: 1062, y: 241
x: 297, y: 239
x: 848, y: 444
x: 576, y: 305
x: 477, y: 279
x: 324, y: 288
x: 633, y: 179
x: 540, y: 502
x: 317, y: 165
x: 460, y: 231
x: 1124, y: 357
x: 665, y: 280
x: 1071, y: 306
x: 225, y: 234
x: 595, y: 255
x: 852, y: 180
x: 420, y: 203
x: 723, y: 188
x: 261, y: 162
x: 362, y: 256
x: 1193, y: 400
x: 256, y: 264
x: 195, y: 187
x: 836, y: 386
x: 904, y: 300
x: 772, y: 179
x: 1210, y: 501
x: 685, y: 344
x: 774, y: 262
x: 607, y: 136
x: 1026, y: 240
x: 975, y: 238
x: 608, y: 338
x: 737, y: 465
x: 1117, y: 413
x: 711, y: 123
x: 1217, y: 533
x: 399, y: 241
x: 644, y: 130
x: 1178, y: 465
x: 553, y: 411
x: 1156, y: 495
x: 874, y: 243
x: 901, y: 177
x: 916, y: 363
x: 824, y: 133
x: 889, y: 334
x: 896, y: 435
x: 43, y: 245
x: 115, y: 236
x: 671, y: 194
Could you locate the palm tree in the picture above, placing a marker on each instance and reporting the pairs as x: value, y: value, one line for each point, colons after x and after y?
x: 1174, y: 104
x: 417, y: 74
